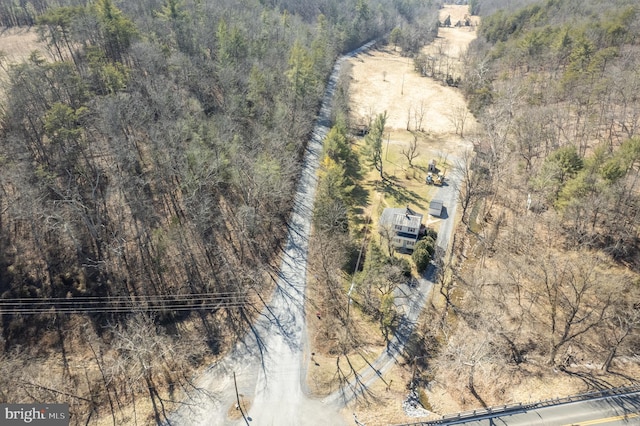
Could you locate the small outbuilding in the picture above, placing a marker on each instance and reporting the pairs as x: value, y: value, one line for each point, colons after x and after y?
x: 435, y: 208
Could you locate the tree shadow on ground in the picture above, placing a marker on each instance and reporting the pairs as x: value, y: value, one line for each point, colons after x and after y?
x: 391, y: 188
x: 360, y: 197
x: 632, y: 380
x: 591, y: 380
x: 625, y: 401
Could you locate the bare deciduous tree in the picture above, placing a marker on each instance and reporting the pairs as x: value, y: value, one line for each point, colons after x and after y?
x: 411, y: 152
x: 619, y: 325
x: 573, y: 296
x: 469, y: 183
x: 458, y: 117
x: 418, y: 117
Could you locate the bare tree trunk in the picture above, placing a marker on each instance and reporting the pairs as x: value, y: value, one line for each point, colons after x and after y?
x: 151, y: 389
x: 105, y: 382
x: 607, y: 363
x: 472, y: 387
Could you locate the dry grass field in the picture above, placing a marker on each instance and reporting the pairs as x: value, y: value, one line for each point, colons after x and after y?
x: 384, y: 80
x: 16, y: 44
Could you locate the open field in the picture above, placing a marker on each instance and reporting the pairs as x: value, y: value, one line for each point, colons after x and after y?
x: 16, y: 44
x: 384, y: 80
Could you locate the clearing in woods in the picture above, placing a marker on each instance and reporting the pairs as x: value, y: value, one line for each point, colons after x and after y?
x: 16, y: 44
x: 417, y: 106
x: 384, y: 80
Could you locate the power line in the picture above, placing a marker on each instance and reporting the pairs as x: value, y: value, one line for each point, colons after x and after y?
x: 131, y: 309
x: 128, y: 298
x: 123, y: 304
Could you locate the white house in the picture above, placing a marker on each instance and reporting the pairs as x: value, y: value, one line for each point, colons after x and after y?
x: 401, y: 226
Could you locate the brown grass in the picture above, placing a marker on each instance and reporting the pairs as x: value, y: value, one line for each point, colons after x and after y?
x: 384, y: 80
x: 235, y: 412
x: 386, y: 406
x: 533, y: 380
x: 17, y: 44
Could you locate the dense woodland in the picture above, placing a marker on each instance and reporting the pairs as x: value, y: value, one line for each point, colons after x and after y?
x: 149, y: 153
x: 544, y: 287
x: 149, y: 156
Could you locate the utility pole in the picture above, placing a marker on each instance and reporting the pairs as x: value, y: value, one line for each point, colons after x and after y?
x: 362, y: 247
x: 238, y: 399
x: 386, y: 155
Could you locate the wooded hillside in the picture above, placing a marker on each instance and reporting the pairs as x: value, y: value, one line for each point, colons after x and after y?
x: 543, y: 297
x: 557, y: 90
x: 149, y: 157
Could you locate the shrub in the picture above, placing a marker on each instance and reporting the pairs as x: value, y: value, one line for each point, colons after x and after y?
x: 422, y: 253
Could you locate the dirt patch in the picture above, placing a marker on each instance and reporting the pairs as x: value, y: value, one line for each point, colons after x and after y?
x: 239, y: 411
x: 386, y: 406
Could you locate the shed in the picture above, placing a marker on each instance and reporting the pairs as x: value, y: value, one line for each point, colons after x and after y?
x: 435, y: 208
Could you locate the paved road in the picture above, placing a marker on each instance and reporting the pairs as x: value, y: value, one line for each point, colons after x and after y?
x: 610, y: 411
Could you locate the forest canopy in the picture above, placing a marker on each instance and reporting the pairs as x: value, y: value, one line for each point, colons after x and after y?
x: 557, y: 94
x: 545, y: 284
x: 149, y: 155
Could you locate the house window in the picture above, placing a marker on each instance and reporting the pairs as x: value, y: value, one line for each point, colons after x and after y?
x: 412, y: 230
x: 398, y: 227
x: 410, y: 243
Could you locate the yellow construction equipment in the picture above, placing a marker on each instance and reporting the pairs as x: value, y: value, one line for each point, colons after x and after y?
x: 439, y: 179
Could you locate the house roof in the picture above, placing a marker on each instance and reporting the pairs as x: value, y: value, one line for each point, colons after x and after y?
x: 401, y: 216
